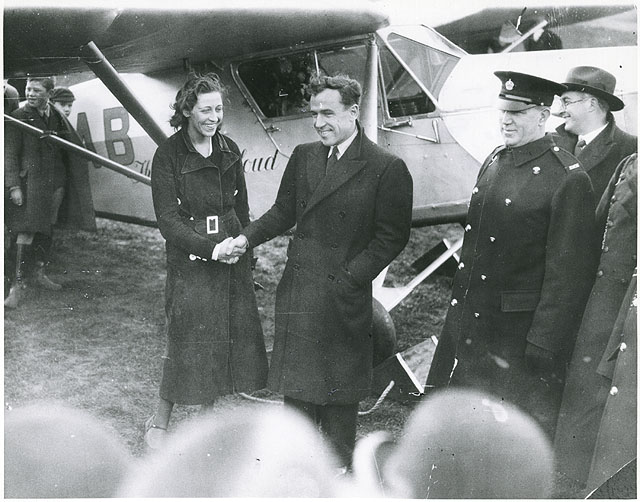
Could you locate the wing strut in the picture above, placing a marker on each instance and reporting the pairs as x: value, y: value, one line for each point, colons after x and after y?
x: 99, y: 64
x: 369, y: 112
x: 83, y: 152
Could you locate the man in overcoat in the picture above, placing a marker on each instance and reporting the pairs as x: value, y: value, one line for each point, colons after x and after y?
x: 526, y: 262
x: 34, y: 169
x: 591, y: 370
x: 351, y: 203
x: 590, y: 130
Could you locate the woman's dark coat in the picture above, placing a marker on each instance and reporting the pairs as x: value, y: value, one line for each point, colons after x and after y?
x: 525, y: 271
x: 29, y: 164
x: 587, y: 388
x: 349, y: 227
x: 215, y: 344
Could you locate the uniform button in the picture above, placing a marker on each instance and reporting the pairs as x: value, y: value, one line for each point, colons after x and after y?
x: 623, y: 347
x: 461, y: 265
x: 507, y: 202
x: 476, y: 314
x: 179, y: 201
x: 303, y: 203
x: 300, y: 235
x: 475, y: 190
x: 600, y: 273
x: 556, y: 149
x: 342, y: 214
x: 468, y: 341
x: 192, y: 257
x: 613, y: 198
x: 492, y: 239
x: 331, y: 277
x: 334, y: 246
x: 296, y: 267
x: 605, y: 249
x: 536, y: 170
x: 613, y: 391
x: 191, y: 218
x: 454, y: 302
x: 483, y: 277
x: 467, y: 228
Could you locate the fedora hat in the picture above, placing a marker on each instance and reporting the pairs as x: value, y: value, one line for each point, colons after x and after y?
x: 595, y: 81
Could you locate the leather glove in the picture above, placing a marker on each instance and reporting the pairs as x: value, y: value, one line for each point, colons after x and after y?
x: 539, y: 359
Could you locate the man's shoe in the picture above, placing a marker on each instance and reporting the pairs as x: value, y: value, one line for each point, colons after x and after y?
x: 15, y: 295
x: 44, y: 282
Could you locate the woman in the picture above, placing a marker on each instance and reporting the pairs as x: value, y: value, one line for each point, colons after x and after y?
x: 215, y: 344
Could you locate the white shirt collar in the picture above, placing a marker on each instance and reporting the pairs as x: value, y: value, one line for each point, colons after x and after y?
x: 590, y: 136
x: 342, y: 147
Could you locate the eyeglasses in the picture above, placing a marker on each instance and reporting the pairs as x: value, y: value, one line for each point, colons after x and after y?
x: 565, y: 102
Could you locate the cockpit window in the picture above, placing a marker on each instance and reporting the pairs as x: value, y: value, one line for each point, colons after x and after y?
x: 277, y: 84
x: 430, y: 65
x: 404, y: 96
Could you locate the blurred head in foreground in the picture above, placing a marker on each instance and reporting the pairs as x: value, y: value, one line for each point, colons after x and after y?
x: 248, y: 451
x: 466, y: 444
x: 51, y: 451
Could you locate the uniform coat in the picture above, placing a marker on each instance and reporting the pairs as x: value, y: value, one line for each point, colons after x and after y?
x: 29, y: 164
x: 616, y: 446
x: 348, y: 230
x: 602, y: 155
x: 586, y: 389
x: 215, y: 344
x: 524, y: 275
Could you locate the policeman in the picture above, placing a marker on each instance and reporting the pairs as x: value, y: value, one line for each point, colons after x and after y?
x: 526, y: 262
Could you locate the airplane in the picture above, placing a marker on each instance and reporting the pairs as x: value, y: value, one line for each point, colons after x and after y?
x: 425, y: 98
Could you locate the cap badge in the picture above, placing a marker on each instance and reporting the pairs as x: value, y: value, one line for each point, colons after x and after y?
x: 509, y: 85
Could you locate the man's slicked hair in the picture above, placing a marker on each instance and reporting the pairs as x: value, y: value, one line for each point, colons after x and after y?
x: 350, y: 90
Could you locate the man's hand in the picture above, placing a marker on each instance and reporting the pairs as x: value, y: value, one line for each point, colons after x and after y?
x: 236, y: 247
x: 230, y: 250
x: 539, y: 359
x: 15, y: 195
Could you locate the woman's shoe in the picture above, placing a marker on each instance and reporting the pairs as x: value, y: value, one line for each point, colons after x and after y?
x: 154, y: 435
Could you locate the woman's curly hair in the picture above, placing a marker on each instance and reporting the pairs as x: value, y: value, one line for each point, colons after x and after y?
x: 188, y: 95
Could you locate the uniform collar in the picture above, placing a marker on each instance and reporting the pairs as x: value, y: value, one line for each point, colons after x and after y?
x: 533, y: 150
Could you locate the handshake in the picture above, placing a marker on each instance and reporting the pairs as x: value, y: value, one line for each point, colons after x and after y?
x: 231, y: 249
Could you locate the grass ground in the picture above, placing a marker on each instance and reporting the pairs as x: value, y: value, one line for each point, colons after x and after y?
x: 97, y: 344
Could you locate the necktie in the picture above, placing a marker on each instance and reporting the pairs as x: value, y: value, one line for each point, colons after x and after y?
x: 332, y: 161
x: 579, y: 147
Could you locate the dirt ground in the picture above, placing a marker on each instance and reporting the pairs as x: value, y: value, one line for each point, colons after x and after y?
x: 97, y: 344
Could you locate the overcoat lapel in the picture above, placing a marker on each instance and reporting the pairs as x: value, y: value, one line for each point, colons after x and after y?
x: 598, y: 149
x: 316, y: 161
x: 346, y: 168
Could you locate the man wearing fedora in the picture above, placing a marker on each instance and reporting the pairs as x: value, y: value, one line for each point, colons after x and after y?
x: 589, y: 130
x: 526, y: 264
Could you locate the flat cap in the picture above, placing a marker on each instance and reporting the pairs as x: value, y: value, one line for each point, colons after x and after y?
x: 62, y: 95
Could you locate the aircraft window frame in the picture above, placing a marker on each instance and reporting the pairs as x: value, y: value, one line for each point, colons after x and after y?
x: 315, y: 50
x: 394, y: 53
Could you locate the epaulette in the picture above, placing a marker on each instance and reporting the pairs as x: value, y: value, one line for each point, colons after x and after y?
x: 566, y: 158
x: 490, y: 159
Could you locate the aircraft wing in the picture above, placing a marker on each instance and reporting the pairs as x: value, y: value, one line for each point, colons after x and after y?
x: 47, y: 40
x: 475, y: 31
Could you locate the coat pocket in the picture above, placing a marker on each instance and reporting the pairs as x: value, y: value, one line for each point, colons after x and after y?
x: 520, y: 301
